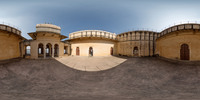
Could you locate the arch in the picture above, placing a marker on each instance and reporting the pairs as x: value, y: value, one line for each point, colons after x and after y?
x: 135, y: 51
x: 65, y: 49
x: 185, y: 52
x: 111, y: 51
x: 56, y: 50
x: 91, y: 51
x: 77, y: 51
x: 48, y: 50
x: 40, y: 50
x: 28, y: 50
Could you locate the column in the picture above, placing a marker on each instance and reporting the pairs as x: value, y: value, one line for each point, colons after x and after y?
x: 44, y: 50
x: 53, y: 50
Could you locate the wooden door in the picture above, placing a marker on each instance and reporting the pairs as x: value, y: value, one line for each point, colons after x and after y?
x: 77, y: 51
x: 185, y: 52
x: 111, y: 51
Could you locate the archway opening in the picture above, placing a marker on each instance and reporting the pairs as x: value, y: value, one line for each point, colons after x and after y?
x: 135, y: 51
x: 28, y: 50
x: 90, y: 51
x: 56, y: 50
x: 40, y: 51
x: 185, y: 52
x: 111, y: 51
x: 77, y: 51
x: 65, y: 49
x: 48, y: 50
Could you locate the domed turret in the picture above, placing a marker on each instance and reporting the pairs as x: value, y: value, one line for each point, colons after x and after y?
x: 48, y: 28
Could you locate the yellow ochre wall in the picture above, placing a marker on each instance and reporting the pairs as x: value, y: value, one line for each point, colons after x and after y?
x: 9, y: 46
x: 169, y: 45
x: 48, y: 38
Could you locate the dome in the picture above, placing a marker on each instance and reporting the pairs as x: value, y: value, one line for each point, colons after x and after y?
x: 48, y: 28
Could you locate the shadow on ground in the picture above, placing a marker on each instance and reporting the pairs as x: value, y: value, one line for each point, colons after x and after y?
x: 135, y: 79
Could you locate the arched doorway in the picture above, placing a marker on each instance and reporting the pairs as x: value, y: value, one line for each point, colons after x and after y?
x: 40, y: 51
x: 48, y: 50
x: 135, y: 51
x: 77, y: 51
x: 111, y: 51
x: 90, y: 51
x: 185, y: 52
x: 56, y: 50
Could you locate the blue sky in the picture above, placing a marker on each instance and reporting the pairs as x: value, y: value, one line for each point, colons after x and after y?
x: 115, y: 16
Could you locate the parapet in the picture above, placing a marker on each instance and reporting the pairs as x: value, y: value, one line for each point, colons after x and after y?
x: 92, y: 33
x: 10, y: 29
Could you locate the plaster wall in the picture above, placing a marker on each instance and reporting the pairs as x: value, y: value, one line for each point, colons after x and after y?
x: 9, y: 46
x: 169, y: 45
x: 100, y: 47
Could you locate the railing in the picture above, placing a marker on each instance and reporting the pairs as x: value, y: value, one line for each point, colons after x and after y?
x: 103, y: 36
x: 180, y: 27
x: 9, y: 29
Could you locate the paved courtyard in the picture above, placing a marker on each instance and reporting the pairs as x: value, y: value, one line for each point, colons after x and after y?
x: 91, y: 63
x: 134, y: 79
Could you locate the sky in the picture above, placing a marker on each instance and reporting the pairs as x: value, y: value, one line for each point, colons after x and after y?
x: 116, y: 16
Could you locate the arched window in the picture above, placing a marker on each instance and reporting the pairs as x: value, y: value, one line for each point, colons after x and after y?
x: 185, y: 52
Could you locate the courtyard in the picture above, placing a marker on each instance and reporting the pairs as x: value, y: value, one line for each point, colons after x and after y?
x: 145, y: 78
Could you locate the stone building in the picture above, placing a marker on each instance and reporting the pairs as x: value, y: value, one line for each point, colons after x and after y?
x: 179, y: 42
x: 92, y: 43
x: 46, y: 42
x: 137, y: 43
x: 10, y: 39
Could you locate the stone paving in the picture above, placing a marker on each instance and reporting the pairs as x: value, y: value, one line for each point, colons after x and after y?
x: 91, y: 63
x: 145, y: 78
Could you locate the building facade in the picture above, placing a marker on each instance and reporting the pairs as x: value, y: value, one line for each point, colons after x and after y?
x: 179, y: 42
x: 92, y: 43
x: 137, y: 43
x: 10, y: 39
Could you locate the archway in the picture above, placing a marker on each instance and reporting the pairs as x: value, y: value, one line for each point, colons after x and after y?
x: 135, y: 51
x: 56, y: 50
x: 40, y: 51
x: 48, y: 50
x: 65, y: 49
x: 28, y: 50
x: 77, y: 51
x: 90, y: 51
x: 185, y: 52
x: 111, y: 51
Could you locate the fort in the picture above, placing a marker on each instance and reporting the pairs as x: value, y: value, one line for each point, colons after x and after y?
x: 179, y: 42
x: 100, y: 65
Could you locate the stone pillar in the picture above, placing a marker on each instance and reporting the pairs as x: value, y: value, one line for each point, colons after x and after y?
x: 44, y: 50
x: 53, y: 50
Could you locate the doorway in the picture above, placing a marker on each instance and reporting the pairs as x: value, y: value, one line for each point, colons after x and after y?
x: 77, y: 51
x: 90, y: 51
x: 185, y: 52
